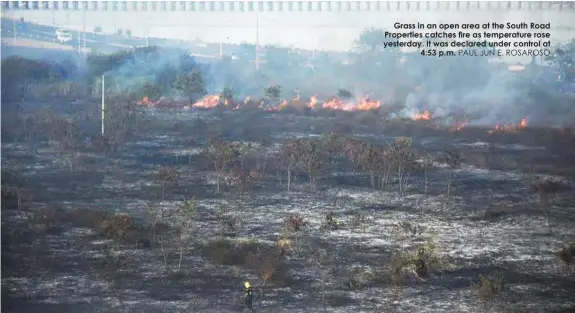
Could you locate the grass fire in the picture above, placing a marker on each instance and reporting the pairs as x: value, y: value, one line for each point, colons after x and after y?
x: 193, y: 187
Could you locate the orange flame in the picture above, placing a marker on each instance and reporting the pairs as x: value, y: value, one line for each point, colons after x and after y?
x: 365, y: 104
x: 426, y: 115
x: 368, y: 105
x: 312, y: 102
x: 208, y: 102
x: 509, y: 128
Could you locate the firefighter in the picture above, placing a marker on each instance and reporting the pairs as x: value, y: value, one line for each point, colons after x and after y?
x: 249, y: 296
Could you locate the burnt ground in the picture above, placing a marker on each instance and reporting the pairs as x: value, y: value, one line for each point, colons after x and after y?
x: 60, y: 254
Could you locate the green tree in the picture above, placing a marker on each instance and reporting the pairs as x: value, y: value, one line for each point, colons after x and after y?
x: 128, y: 33
x: 98, y: 29
x: 227, y: 94
x: 191, y: 85
x: 273, y: 93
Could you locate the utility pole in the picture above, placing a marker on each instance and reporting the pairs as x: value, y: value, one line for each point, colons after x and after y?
x: 103, y: 104
x: 257, y: 41
x: 84, y: 32
x: 14, y: 28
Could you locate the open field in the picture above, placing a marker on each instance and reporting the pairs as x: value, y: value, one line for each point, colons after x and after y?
x: 103, y: 231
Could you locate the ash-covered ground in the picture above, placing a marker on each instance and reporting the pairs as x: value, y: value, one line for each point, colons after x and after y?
x: 472, y: 222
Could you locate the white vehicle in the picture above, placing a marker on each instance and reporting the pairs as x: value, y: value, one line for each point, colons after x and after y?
x: 63, y: 35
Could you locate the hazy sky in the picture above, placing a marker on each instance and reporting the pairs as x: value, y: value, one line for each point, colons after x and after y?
x: 309, y: 30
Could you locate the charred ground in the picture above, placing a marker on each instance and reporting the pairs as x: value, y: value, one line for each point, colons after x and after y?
x: 172, y: 211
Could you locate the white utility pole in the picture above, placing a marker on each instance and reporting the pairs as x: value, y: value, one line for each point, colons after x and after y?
x: 103, y: 104
x: 84, y: 32
x: 257, y: 40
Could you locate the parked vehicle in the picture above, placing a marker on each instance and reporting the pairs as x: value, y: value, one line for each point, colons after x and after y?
x: 63, y: 36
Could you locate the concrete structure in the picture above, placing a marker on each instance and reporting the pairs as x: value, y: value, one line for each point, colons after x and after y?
x: 312, y: 25
x: 299, y: 6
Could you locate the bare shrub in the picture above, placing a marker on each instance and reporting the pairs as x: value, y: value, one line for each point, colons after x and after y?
x: 566, y: 254
x: 359, y: 277
x: 166, y: 176
x: 546, y: 190
x: 410, y: 229
x: 230, y: 224
x: 12, y: 190
x: 294, y: 222
x: 331, y: 222
x: 117, y: 227
x: 49, y: 219
x: 420, y: 261
x: 284, y: 245
x: 489, y: 286
x: 228, y: 252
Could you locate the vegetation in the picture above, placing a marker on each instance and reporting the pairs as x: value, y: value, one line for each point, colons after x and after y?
x: 276, y: 199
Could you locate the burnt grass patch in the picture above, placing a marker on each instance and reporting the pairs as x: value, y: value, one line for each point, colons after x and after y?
x: 145, y: 229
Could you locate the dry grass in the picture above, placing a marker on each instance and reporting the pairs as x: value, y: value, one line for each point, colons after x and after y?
x: 489, y: 286
x: 262, y: 258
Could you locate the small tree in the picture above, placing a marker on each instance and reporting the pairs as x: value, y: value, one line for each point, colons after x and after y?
x: 288, y: 156
x: 273, y: 93
x: 98, y: 29
x: 227, y: 95
x: 403, y: 159
x: 453, y: 159
x: 319, y: 259
x: 222, y: 154
x: 128, y: 33
x: 186, y: 216
x: 312, y: 158
x: 192, y: 85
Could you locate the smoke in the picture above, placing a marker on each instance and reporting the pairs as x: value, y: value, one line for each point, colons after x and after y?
x: 450, y: 88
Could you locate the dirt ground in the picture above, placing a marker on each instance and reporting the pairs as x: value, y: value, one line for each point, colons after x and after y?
x: 340, y: 246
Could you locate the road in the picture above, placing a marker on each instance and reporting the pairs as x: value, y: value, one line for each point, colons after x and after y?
x: 107, y: 42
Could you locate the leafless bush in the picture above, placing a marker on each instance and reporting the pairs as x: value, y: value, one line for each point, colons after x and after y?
x: 12, y: 190
x: 117, y: 227
x: 294, y: 222
x: 359, y: 277
x: 410, y: 229
x: 229, y: 223
x: 489, y: 286
x: 418, y: 262
x: 566, y: 254
x: 331, y: 222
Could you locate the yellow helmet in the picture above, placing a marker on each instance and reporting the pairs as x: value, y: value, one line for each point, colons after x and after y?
x: 247, y: 284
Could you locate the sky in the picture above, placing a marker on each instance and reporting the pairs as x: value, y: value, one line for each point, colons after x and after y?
x: 335, y: 31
